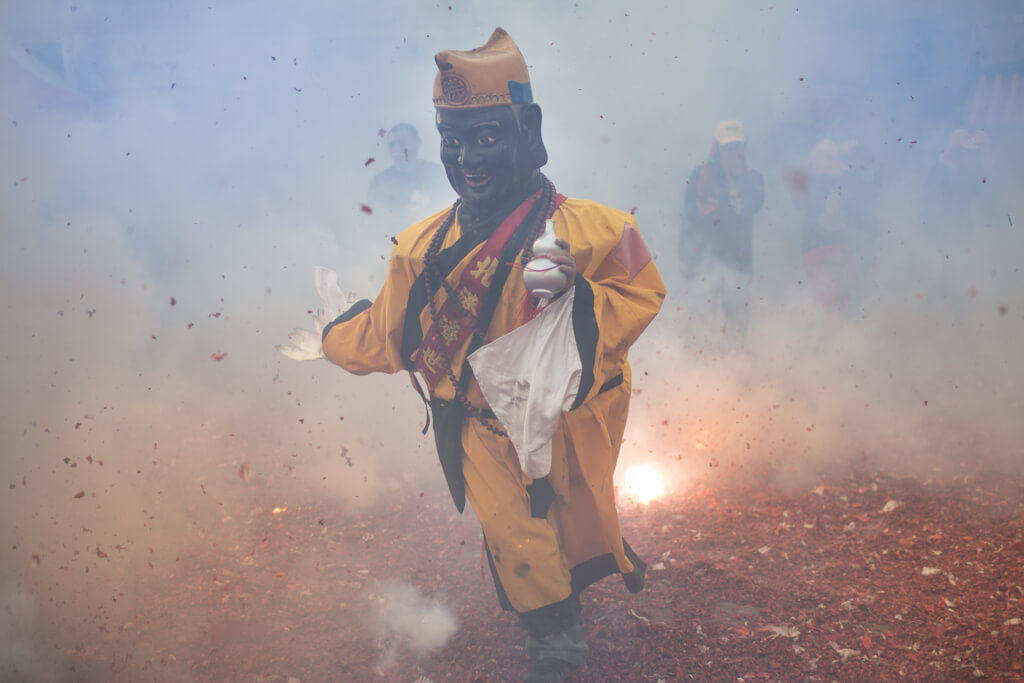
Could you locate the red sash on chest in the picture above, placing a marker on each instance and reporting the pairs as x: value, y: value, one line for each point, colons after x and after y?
x: 459, y: 313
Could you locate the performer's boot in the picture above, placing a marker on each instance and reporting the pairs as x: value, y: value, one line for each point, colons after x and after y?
x: 554, y: 656
x: 554, y: 643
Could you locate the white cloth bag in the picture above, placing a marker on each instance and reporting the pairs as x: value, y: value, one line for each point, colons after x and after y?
x: 529, y: 377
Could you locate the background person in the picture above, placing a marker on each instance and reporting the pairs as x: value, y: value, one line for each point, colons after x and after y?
x: 410, y: 187
x: 716, y: 243
x: 840, y: 222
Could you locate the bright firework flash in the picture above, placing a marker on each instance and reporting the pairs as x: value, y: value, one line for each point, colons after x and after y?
x: 643, y: 475
x: 644, y: 483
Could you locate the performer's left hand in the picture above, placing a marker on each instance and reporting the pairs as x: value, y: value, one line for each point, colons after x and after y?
x: 565, y: 260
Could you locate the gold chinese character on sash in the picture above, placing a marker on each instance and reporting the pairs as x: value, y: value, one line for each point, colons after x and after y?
x: 432, y: 359
x: 469, y: 301
x: 449, y: 329
x: 485, y: 270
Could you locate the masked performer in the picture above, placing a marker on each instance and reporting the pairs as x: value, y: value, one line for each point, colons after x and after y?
x: 455, y: 284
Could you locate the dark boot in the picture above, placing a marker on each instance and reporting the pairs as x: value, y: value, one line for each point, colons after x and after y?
x: 548, y: 670
x: 555, y: 656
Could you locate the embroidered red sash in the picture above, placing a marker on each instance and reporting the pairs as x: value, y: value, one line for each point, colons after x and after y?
x: 458, y: 314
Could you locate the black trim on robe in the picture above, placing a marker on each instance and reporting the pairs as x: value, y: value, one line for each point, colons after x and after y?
x: 551, y: 619
x: 593, y: 570
x: 584, y: 327
x: 612, y: 383
x: 596, y: 568
x: 583, y: 575
x: 541, y: 497
x: 356, y: 308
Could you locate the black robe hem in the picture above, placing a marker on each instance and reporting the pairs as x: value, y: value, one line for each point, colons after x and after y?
x: 560, y: 615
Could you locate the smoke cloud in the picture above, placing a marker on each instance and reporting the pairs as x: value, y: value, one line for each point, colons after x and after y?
x: 172, y: 173
x: 405, y: 621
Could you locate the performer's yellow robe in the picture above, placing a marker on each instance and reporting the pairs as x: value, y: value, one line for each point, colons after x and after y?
x: 618, y: 293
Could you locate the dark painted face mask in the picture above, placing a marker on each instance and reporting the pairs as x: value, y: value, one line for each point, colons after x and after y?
x: 484, y: 154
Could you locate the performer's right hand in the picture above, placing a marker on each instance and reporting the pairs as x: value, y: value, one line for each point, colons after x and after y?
x: 565, y: 260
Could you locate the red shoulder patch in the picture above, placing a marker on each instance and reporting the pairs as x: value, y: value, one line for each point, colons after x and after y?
x: 631, y: 251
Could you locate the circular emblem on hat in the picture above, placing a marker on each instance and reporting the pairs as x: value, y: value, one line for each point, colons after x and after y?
x: 455, y: 88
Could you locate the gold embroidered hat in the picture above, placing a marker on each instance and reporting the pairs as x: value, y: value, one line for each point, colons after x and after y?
x: 490, y: 75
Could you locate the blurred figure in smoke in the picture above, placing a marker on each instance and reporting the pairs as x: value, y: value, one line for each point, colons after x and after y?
x: 716, y: 243
x: 456, y: 284
x: 411, y: 187
x: 838, y: 200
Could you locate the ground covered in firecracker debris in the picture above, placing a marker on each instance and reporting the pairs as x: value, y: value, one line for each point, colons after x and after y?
x: 850, y: 576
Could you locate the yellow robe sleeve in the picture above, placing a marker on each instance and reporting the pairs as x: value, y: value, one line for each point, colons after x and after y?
x: 371, y: 340
x: 618, y: 287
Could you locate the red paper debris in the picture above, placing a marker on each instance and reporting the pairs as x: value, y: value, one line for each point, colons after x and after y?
x: 754, y: 579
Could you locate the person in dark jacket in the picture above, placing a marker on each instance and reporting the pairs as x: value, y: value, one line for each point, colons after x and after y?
x: 716, y: 243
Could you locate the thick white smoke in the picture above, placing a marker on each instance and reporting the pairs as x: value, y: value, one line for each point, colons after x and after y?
x: 406, y: 622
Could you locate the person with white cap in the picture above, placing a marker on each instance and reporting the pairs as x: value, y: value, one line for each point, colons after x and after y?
x: 455, y: 286
x: 716, y: 243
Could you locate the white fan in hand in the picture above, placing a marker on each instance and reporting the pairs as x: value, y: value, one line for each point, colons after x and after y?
x: 304, y: 344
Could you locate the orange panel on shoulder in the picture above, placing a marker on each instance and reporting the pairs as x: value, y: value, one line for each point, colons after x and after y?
x: 631, y: 251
